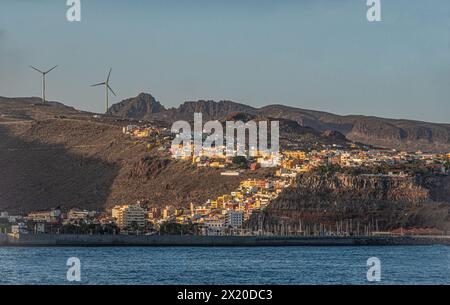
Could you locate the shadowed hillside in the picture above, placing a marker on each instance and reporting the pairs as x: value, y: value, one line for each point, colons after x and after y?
x: 38, y: 175
x: 52, y: 155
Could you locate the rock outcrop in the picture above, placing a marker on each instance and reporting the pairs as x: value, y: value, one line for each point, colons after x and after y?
x: 382, y: 202
x: 139, y: 107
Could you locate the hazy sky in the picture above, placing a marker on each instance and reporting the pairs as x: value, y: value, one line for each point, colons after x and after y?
x: 314, y: 54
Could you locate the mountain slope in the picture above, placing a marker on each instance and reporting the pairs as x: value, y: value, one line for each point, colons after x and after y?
x: 52, y: 155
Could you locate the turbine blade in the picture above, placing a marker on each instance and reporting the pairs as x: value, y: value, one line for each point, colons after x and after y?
x: 111, y: 90
x: 36, y: 69
x: 109, y: 75
x: 51, y: 69
x: 99, y: 84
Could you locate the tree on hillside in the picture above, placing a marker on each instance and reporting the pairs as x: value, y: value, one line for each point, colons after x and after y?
x: 240, y: 161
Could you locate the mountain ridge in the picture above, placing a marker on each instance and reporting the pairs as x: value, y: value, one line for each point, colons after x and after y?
x: 389, y: 133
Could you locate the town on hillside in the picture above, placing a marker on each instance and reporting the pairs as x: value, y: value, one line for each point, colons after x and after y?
x: 228, y: 214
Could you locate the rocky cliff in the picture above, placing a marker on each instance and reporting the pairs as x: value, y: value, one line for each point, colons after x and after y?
x: 139, y: 107
x: 381, y: 202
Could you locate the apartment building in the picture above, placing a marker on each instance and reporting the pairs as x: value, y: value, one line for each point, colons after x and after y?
x: 128, y: 215
x: 234, y: 219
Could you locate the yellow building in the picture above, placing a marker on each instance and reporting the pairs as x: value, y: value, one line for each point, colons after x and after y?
x: 165, y: 213
x: 257, y: 204
x: 181, y: 219
x: 214, y: 204
x: 304, y: 169
x: 295, y: 154
x: 141, y: 133
x: 128, y: 215
x: 253, y: 183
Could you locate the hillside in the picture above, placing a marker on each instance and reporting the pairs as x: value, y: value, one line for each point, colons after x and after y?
x: 390, y: 133
x: 53, y: 155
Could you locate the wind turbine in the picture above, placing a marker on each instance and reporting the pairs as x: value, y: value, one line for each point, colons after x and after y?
x: 107, y: 89
x: 43, y: 79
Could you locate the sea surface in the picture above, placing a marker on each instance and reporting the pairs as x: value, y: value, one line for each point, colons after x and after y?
x: 265, y: 265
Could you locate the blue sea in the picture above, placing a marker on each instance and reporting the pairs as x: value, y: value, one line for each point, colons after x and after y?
x: 268, y: 265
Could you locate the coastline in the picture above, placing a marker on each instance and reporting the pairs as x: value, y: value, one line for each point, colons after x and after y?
x: 60, y: 240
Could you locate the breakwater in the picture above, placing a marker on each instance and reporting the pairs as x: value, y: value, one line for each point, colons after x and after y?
x: 61, y: 240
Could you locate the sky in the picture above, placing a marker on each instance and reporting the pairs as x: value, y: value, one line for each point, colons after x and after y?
x: 312, y: 54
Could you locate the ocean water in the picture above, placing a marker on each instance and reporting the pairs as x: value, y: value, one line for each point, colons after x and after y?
x: 268, y: 265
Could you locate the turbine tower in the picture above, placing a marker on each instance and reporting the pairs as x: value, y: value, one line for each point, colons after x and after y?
x: 43, y: 79
x: 107, y: 89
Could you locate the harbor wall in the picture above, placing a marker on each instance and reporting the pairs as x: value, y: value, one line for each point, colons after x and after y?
x: 209, y: 241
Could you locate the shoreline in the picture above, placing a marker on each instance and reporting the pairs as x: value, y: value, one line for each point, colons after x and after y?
x: 56, y: 240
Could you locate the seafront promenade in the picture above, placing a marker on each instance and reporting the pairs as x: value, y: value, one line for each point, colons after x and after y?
x: 61, y: 240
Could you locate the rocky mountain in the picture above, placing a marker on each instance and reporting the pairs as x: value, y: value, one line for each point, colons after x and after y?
x: 210, y: 110
x: 146, y: 107
x: 139, y: 107
x: 389, y: 133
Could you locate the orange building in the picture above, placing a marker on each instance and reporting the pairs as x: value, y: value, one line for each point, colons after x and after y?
x: 254, y: 183
x: 295, y: 154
